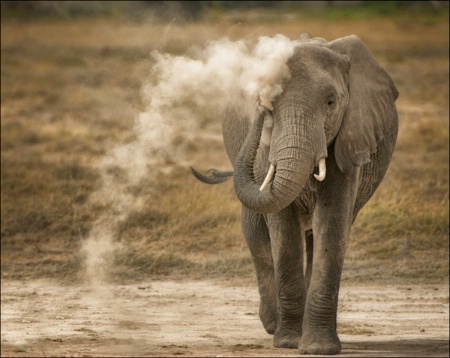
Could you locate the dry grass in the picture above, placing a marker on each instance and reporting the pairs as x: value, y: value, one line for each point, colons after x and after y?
x: 70, y: 91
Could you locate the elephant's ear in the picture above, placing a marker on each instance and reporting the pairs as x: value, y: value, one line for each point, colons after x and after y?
x: 371, y: 108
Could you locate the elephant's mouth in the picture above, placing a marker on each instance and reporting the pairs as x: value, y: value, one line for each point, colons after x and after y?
x: 270, y: 173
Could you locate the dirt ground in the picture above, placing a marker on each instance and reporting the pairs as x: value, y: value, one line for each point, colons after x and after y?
x: 207, y: 318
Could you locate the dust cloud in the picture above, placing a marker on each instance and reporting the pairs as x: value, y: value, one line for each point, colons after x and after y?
x: 179, y: 90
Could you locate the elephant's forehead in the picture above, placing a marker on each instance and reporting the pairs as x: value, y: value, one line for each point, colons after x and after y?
x: 317, y: 51
x: 311, y: 57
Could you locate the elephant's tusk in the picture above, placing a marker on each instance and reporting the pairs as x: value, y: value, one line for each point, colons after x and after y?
x: 268, y: 178
x: 322, y: 170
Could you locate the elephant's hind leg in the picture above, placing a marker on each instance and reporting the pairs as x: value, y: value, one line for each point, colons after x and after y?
x: 257, y: 236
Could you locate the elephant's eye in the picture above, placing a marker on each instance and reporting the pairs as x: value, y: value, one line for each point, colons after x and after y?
x: 330, y: 102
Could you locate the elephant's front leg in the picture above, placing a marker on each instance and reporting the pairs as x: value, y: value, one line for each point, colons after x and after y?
x: 333, y: 216
x: 256, y: 234
x: 286, y: 242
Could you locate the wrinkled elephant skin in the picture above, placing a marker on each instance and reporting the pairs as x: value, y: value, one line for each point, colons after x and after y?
x: 333, y: 131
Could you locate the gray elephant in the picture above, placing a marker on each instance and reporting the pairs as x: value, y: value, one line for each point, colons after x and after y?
x: 331, y: 134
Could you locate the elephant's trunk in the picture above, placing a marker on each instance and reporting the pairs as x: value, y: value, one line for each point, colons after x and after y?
x: 295, y: 159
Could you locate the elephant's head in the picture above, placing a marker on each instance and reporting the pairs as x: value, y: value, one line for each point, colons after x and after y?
x: 337, y: 96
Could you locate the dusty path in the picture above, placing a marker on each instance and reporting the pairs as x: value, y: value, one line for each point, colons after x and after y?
x: 167, y: 318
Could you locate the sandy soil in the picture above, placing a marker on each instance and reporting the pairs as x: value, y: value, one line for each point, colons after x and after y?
x: 209, y: 318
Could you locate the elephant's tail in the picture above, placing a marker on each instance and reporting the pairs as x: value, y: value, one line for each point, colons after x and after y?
x: 214, y: 176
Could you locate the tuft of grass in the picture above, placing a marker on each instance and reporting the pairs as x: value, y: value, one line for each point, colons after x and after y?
x: 349, y: 329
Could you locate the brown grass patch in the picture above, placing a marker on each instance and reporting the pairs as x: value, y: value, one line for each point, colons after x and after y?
x: 71, y: 91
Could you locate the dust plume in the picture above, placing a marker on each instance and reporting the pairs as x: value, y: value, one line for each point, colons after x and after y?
x: 180, y: 90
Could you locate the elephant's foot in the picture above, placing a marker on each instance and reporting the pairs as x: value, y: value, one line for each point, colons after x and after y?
x: 286, y: 340
x: 320, y: 344
x: 268, y: 316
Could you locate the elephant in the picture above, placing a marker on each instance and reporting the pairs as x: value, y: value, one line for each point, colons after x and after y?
x: 302, y: 171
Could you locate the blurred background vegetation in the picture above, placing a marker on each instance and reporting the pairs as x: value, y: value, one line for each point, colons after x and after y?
x: 187, y: 11
x: 71, y: 80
